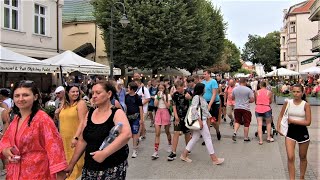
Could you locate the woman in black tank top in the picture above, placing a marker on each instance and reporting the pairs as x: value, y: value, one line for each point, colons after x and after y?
x: 111, y: 162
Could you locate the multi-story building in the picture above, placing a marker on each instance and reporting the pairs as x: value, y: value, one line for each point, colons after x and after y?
x: 315, y: 16
x: 295, y: 37
x: 80, y: 31
x: 32, y: 28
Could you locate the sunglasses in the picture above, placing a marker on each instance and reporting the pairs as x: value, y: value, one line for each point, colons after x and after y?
x: 26, y: 82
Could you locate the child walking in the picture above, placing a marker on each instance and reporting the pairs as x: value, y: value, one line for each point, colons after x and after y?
x: 135, y: 114
x: 162, y: 102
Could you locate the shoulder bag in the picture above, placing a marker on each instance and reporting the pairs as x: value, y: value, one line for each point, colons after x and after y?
x: 284, y: 121
x: 191, y: 120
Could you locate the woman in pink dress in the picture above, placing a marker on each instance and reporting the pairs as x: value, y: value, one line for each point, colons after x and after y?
x: 32, y: 143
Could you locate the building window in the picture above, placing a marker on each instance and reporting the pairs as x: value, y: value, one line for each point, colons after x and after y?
x: 39, y: 19
x: 292, y: 48
x: 283, y: 40
x: 284, y: 56
x: 292, y: 27
x: 11, y: 14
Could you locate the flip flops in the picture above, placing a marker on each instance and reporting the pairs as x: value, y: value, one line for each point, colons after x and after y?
x: 260, y: 143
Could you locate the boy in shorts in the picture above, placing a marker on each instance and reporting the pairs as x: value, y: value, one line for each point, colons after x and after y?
x: 180, y: 101
x: 134, y: 114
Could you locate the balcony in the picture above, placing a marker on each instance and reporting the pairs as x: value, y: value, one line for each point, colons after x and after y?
x: 316, y: 43
x: 315, y: 11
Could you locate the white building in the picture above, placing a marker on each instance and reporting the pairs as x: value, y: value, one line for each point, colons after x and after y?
x: 295, y: 37
x: 32, y: 28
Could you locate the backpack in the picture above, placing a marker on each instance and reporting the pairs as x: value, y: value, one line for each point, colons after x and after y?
x: 141, y: 90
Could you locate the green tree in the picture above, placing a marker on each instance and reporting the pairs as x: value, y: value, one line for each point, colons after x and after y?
x: 231, y: 55
x: 264, y: 50
x: 178, y: 34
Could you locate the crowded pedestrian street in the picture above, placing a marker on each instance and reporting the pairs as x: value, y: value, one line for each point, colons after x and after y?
x: 159, y: 89
x: 242, y: 160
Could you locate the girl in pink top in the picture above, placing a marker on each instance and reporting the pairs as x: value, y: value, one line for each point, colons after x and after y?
x: 263, y: 99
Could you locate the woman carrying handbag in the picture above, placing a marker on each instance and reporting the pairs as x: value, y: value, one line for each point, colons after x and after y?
x: 204, y: 130
x: 299, y: 117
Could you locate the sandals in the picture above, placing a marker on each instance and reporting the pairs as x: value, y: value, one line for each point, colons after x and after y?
x: 270, y: 140
x: 260, y: 143
x: 218, y: 161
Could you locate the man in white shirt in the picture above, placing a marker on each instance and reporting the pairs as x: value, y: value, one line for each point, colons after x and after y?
x: 143, y: 92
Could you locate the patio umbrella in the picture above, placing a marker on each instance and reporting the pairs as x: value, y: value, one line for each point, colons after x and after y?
x: 312, y: 70
x: 282, y: 72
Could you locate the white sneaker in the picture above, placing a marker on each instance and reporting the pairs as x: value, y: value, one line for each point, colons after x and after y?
x: 169, y: 149
x: 134, y: 154
x: 141, y: 138
x: 155, y: 155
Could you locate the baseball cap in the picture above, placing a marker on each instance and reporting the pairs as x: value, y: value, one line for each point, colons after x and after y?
x: 59, y: 89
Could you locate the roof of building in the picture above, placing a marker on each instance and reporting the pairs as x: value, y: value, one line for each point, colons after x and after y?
x: 77, y: 11
x: 303, y: 7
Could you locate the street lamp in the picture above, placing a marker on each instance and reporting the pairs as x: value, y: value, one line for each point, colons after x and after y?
x: 124, y: 22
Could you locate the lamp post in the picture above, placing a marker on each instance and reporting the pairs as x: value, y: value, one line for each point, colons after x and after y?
x: 124, y: 22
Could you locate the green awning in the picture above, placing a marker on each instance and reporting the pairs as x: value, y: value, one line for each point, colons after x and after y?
x: 310, y: 60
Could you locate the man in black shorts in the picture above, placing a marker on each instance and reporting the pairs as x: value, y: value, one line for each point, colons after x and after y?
x: 180, y: 101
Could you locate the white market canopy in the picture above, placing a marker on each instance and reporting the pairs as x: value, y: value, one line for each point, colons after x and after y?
x: 312, y: 70
x: 70, y: 62
x: 14, y: 62
x: 282, y: 72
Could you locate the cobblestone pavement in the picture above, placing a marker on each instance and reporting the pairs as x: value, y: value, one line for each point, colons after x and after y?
x: 242, y: 160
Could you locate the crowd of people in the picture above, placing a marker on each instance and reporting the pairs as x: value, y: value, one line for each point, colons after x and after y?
x: 66, y: 145
x: 310, y: 84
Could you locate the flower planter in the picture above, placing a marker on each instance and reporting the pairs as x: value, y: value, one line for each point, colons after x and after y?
x: 280, y: 100
x: 313, y: 101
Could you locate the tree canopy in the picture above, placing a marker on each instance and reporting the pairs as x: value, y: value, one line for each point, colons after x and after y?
x: 164, y: 33
x: 264, y: 50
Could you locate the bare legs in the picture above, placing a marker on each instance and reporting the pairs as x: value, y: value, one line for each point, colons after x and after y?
x: 303, y: 149
x: 259, y: 121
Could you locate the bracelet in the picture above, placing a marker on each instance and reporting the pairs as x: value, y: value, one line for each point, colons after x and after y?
x: 76, y: 138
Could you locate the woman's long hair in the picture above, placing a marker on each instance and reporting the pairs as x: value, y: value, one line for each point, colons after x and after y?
x: 67, y: 98
x: 36, y: 104
x: 304, y: 97
x: 165, y: 91
x: 199, y: 89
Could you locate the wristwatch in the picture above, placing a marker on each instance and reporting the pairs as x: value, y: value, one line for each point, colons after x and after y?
x: 76, y: 138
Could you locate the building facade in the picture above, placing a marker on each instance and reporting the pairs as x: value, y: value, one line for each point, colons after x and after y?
x: 315, y: 16
x: 295, y: 37
x: 80, y: 32
x: 32, y: 28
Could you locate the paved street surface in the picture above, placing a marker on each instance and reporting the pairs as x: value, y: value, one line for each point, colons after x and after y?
x: 242, y: 160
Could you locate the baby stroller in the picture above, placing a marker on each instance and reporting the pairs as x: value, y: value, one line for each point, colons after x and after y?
x: 264, y: 128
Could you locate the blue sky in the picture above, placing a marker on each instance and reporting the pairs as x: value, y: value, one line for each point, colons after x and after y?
x: 246, y: 17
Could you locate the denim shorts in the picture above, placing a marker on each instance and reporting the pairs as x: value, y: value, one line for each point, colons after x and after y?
x: 135, y: 125
x: 264, y: 115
